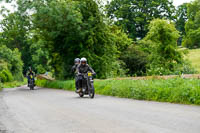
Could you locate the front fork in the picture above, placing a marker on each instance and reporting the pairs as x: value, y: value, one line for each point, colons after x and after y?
x: 90, y: 83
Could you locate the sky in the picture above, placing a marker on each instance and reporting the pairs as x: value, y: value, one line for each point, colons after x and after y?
x: 179, y: 2
x: 176, y: 3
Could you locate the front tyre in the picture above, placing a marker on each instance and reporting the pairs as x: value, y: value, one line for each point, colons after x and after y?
x: 31, y: 85
x: 92, y: 91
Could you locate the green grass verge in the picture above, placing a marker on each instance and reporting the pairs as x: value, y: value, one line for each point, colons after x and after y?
x: 1, y: 86
x: 185, y: 91
x: 194, y: 58
x: 14, y: 84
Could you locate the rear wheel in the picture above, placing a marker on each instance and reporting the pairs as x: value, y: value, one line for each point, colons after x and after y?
x: 81, y: 94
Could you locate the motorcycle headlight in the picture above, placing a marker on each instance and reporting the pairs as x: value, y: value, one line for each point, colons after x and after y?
x: 89, y: 74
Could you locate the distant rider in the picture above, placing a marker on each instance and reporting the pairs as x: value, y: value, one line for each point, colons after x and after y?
x: 82, y: 69
x: 28, y: 75
x: 74, y: 70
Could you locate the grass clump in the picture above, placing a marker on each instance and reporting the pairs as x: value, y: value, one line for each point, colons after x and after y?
x: 177, y: 90
x: 56, y: 84
x: 1, y: 86
x: 14, y: 84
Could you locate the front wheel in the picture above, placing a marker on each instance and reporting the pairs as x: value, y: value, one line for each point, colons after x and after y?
x: 31, y: 87
x: 92, y: 91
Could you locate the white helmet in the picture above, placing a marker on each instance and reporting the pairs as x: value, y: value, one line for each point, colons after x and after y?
x: 83, y: 59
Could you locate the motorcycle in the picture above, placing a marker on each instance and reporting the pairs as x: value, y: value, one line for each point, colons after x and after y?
x: 31, y: 82
x: 89, y: 90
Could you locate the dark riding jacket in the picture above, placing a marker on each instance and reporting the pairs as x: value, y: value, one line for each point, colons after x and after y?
x: 83, y: 69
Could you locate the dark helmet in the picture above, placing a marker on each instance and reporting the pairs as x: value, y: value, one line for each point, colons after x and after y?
x: 77, y: 60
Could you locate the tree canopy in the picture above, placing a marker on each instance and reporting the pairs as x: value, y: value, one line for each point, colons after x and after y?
x: 134, y: 16
x: 124, y: 38
x: 182, y: 18
x: 192, y: 27
x: 162, y: 40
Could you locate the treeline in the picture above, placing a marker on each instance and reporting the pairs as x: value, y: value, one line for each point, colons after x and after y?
x: 123, y: 38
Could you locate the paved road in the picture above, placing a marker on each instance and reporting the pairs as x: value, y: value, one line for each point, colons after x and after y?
x: 56, y: 111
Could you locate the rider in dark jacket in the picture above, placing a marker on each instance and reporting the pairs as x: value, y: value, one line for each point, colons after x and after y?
x: 82, y: 69
x: 28, y: 74
x: 74, y: 70
x: 76, y: 63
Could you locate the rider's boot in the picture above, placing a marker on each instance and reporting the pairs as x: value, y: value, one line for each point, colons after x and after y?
x: 78, y: 90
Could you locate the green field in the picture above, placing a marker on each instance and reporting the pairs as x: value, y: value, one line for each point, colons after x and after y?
x: 194, y: 58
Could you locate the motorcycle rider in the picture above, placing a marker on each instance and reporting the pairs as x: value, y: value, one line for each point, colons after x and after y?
x: 76, y: 63
x: 74, y: 70
x: 28, y: 74
x: 82, y: 69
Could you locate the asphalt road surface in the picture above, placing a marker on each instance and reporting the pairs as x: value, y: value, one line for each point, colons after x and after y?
x: 57, y: 111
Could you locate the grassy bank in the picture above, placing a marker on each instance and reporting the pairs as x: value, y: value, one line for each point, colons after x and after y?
x: 178, y: 90
x: 1, y: 86
x: 194, y: 58
x: 14, y: 84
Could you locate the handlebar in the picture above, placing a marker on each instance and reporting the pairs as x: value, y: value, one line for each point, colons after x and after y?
x: 82, y: 74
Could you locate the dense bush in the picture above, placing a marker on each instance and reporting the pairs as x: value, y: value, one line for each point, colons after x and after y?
x: 13, y: 60
x: 135, y: 60
x: 177, y: 90
x: 3, y: 77
x: 8, y: 75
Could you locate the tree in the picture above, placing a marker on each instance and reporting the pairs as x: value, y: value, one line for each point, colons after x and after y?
x: 54, y: 32
x: 73, y: 29
x: 164, y: 54
x: 15, y: 30
x: 181, y: 19
x: 40, y: 55
x: 192, y: 27
x: 134, y: 16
